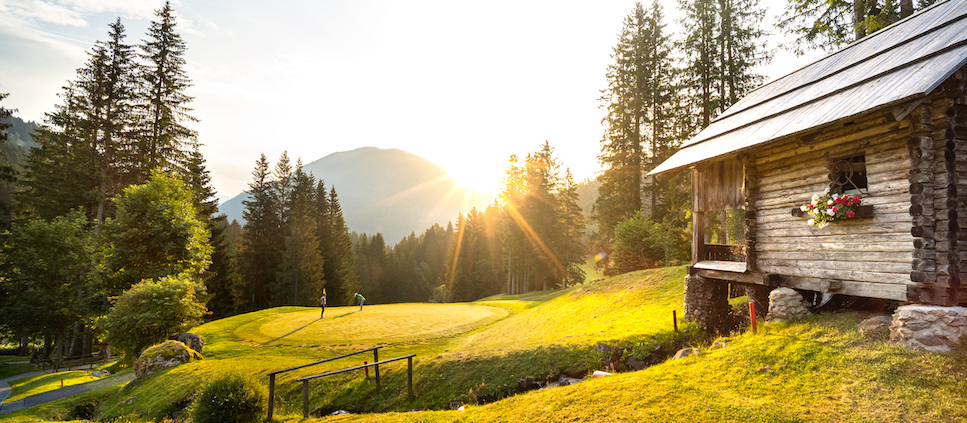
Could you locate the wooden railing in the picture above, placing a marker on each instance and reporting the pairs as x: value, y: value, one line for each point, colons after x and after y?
x: 723, y: 252
x: 376, y: 363
x: 409, y: 378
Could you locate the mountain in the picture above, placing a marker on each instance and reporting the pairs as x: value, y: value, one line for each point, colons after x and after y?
x: 386, y: 190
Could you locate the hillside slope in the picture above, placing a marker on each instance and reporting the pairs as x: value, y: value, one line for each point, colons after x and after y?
x: 818, y: 370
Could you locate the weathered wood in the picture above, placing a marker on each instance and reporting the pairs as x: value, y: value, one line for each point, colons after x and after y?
x: 837, y: 266
x: 896, y: 291
x: 851, y: 275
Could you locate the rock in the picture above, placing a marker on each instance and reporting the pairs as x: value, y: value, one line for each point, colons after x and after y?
x: 929, y: 328
x: 876, y: 327
x: 598, y: 373
x: 527, y: 383
x: 719, y: 343
x: 635, y: 363
x: 192, y: 340
x: 338, y: 413
x: 562, y: 381
x: 686, y: 352
x: 100, y: 373
x: 161, y: 356
x: 785, y: 304
x: 455, y: 405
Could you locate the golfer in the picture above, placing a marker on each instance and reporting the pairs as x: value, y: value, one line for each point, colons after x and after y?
x: 361, y: 300
x: 322, y: 303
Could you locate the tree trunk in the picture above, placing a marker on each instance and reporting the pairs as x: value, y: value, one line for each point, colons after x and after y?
x: 859, y: 15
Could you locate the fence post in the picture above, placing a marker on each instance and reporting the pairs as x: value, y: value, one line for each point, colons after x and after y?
x: 305, y: 399
x: 271, y: 394
x: 376, y: 365
x: 409, y: 375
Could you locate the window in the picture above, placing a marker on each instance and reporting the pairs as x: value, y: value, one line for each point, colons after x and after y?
x: 848, y: 175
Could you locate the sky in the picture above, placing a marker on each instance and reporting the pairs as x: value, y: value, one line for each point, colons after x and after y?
x: 462, y: 84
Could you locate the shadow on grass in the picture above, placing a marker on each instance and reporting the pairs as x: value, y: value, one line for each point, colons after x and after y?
x: 291, y: 333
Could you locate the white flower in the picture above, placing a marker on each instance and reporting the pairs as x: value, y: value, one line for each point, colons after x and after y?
x: 826, y: 192
x: 815, y: 198
x: 829, y: 202
x: 830, y: 212
x: 804, y: 208
x: 835, y: 196
x: 811, y: 222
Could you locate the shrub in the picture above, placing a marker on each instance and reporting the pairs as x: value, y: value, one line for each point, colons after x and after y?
x: 231, y: 398
x: 640, y: 243
x: 152, y: 311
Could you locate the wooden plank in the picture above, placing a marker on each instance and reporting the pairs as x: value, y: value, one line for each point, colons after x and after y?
x: 868, y: 257
x: 725, y: 266
x: 859, y: 264
x: 845, y: 275
x: 763, y: 247
x: 891, y: 291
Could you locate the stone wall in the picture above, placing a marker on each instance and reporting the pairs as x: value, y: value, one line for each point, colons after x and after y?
x: 707, y: 304
x: 929, y: 328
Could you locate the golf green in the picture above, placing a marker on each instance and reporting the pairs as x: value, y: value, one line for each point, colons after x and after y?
x: 375, y: 324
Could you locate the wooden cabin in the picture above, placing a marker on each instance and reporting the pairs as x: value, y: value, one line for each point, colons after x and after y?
x: 884, y: 118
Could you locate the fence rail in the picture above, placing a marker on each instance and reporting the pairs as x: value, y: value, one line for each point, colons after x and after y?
x: 305, y: 380
x: 375, y: 351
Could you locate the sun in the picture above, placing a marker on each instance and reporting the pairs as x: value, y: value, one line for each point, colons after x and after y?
x: 477, y: 177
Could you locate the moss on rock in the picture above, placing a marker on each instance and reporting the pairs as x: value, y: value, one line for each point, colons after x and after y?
x: 163, y: 355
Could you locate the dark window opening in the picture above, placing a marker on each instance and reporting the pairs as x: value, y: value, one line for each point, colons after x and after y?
x: 848, y: 175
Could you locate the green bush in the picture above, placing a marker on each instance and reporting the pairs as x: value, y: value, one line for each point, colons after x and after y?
x: 152, y: 311
x: 232, y: 398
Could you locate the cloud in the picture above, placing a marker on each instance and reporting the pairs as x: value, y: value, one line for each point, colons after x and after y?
x: 16, y: 11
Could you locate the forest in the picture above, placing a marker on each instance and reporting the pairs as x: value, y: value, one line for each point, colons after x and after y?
x: 115, y: 200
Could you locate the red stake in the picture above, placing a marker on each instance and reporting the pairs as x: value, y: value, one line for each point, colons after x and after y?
x: 752, y: 314
x: 366, y: 369
x: 61, y: 382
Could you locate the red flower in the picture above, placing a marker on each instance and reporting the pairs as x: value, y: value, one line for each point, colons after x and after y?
x: 835, y: 209
x: 850, y: 214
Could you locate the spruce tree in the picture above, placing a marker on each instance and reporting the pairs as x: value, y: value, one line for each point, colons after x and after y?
x: 164, y: 140
x: 341, y: 277
x: 640, y: 118
x: 262, y: 238
x: 831, y: 24
x: 84, y: 155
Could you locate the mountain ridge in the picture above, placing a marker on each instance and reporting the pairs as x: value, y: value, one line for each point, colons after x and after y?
x: 389, y: 191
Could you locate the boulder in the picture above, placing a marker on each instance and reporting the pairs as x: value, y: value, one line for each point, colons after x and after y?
x: 929, y: 328
x: 686, y: 352
x: 192, y: 340
x: 876, y: 327
x: 164, y: 355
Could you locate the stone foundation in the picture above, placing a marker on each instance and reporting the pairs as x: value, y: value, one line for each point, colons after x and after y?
x: 785, y: 304
x: 929, y: 328
x: 707, y: 304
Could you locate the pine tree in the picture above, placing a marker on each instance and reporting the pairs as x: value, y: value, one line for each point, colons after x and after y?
x: 164, y: 139
x: 300, y: 278
x: 85, y: 143
x: 640, y: 118
x: 831, y: 24
x: 340, y: 263
x: 7, y: 174
x: 572, y: 218
x: 221, y: 279
x: 262, y: 238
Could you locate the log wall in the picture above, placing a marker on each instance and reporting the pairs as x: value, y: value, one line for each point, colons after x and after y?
x: 863, y: 257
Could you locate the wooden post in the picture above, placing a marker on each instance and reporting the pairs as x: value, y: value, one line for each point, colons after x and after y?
x: 305, y: 399
x: 698, y: 222
x: 752, y: 315
x: 409, y: 375
x: 376, y: 366
x: 271, y: 394
x: 675, y: 319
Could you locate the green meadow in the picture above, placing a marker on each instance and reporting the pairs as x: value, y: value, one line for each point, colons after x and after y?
x: 475, y: 354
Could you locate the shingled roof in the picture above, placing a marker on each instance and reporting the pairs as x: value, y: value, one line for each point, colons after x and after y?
x: 895, y: 65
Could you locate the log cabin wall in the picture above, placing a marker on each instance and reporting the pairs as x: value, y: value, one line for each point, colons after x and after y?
x: 938, y: 183
x: 862, y: 257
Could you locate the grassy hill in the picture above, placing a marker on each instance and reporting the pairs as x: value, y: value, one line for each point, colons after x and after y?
x: 821, y: 369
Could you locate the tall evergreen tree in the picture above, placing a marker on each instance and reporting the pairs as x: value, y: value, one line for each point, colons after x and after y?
x: 7, y: 174
x: 85, y: 144
x: 164, y: 139
x: 640, y: 117
x: 262, y: 238
x: 340, y: 263
x: 300, y: 279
